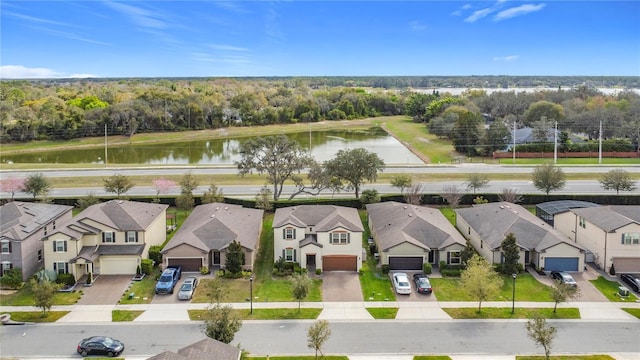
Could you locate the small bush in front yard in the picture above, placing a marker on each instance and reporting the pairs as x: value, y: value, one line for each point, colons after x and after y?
x: 12, y: 278
x: 66, y: 279
x: 385, y: 269
x: 451, y: 272
x: 426, y: 267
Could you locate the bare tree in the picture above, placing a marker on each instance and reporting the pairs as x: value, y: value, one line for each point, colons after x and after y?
x: 541, y: 333
x: 510, y: 195
x: 317, y: 335
x: 451, y: 194
x: 414, y: 195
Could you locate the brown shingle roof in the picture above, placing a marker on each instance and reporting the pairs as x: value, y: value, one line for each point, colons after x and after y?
x: 322, y: 218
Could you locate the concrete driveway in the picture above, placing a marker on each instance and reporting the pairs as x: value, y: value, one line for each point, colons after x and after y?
x: 341, y: 286
x: 588, y: 292
x: 105, y: 290
x: 414, y: 296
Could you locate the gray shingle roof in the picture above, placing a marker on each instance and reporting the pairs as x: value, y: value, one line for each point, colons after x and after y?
x: 395, y: 223
x: 123, y: 215
x: 91, y: 253
x: 214, y: 226
x: 612, y: 217
x: 322, y: 218
x: 18, y: 220
x: 494, y: 221
x: 202, y: 350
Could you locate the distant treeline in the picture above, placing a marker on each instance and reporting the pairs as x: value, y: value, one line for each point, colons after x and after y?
x: 477, y: 121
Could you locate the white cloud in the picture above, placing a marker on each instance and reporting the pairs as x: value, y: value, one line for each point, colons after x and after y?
x: 518, y: 11
x: 23, y: 72
x: 506, y: 58
x: 227, y: 47
x: 459, y: 11
x: 417, y: 25
x: 139, y: 16
x: 478, y: 14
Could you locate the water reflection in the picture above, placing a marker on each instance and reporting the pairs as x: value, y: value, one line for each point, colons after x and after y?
x: 324, y: 145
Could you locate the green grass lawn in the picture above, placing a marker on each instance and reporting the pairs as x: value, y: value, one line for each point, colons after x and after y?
x: 634, y: 312
x: 304, y: 357
x: 505, y: 313
x: 375, y: 285
x: 383, y: 313
x: 527, y: 289
x: 36, y: 316
x: 610, y: 290
x: 567, y: 357
x: 125, y: 315
x: 429, y: 147
x: 572, y: 161
x: 431, y: 357
x: 265, y: 314
x: 24, y: 297
x: 143, y: 290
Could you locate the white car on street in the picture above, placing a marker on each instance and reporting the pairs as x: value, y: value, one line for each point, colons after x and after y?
x: 401, y: 283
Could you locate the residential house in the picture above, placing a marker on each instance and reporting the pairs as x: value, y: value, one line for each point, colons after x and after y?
x: 408, y: 236
x: 487, y: 225
x: 205, y: 235
x: 22, y: 227
x: 109, y: 238
x: 610, y: 233
x: 324, y: 237
x: 205, y: 349
x: 548, y: 210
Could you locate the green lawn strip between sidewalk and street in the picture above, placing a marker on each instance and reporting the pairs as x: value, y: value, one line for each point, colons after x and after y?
x: 505, y: 313
x: 304, y: 357
x: 634, y: 312
x: 566, y: 357
x: 527, y: 289
x: 609, y: 289
x: 432, y: 357
x: 265, y: 314
x: 125, y: 315
x: 36, y: 316
x: 383, y: 313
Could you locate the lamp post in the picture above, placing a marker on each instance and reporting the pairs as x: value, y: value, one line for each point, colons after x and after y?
x: 513, y: 297
x: 251, y: 293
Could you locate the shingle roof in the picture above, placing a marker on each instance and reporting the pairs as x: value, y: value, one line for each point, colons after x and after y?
x: 560, y: 206
x: 91, y: 253
x: 18, y: 220
x: 494, y: 221
x: 395, y: 223
x: 210, y: 349
x: 322, y: 218
x: 214, y: 226
x: 612, y: 217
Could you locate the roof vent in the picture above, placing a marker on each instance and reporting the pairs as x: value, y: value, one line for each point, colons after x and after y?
x: 404, y: 207
x: 226, y: 208
x: 410, y: 214
x: 213, y: 215
x: 501, y: 207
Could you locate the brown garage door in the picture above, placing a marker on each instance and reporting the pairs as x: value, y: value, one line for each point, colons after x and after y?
x: 188, y: 264
x: 405, y: 263
x: 340, y: 263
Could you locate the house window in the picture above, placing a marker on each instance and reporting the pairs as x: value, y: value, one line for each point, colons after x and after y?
x: 582, y: 222
x: 289, y: 233
x: 6, y: 247
x: 59, y: 246
x: 631, y: 239
x: 45, y: 230
x: 54, y: 224
x: 108, y: 237
x: 289, y: 254
x: 340, y: 238
x: 454, y: 257
x: 6, y: 266
x: 39, y: 255
x: 61, y: 267
x: 132, y: 236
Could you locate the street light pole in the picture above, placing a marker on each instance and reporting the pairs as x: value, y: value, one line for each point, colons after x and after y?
x: 513, y: 297
x: 251, y: 293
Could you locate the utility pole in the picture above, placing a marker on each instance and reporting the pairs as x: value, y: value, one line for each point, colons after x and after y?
x: 600, y: 145
x: 514, y: 141
x: 555, y: 144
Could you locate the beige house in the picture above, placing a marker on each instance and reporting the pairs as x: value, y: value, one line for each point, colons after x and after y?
x: 205, y: 235
x: 109, y: 238
x: 324, y: 237
x: 22, y: 227
x: 408, y: 236
x: 542, y: 246
x: 204, y: 349
x: 610, y: 233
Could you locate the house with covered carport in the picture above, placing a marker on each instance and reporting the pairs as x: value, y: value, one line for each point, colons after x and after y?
x: 407, y: 236
x: 610, y: 233
x: 204, y: 237
x: 325, y: 237
x: 545, y: 248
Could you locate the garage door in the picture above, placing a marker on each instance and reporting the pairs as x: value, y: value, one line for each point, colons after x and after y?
x: 561, y: 264
x: 188, y: 264
x: 118, y: 265
x: 405, y: 262
x: 340, y: 263
x: 626, y: 265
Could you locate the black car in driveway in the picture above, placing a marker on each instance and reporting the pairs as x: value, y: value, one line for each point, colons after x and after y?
x: 100, y: 345
x: 423, y: 285
x: 632, y: 280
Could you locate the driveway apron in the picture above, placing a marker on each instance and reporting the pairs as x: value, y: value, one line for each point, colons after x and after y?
x: 105, y: 290
x: 341, y: 286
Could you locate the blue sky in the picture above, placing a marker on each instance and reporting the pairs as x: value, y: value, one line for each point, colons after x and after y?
x: 43, y: 39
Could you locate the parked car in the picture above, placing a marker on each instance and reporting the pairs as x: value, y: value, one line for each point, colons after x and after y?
x: 632, y: 280
x: 401, y: 283
x: 168, y: 280
x: 100, y: 345
x: 564, y: 278
x: 423, y: 285
x: 188, y: 288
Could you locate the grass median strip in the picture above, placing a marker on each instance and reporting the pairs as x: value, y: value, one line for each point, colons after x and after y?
x: 505, y: 313
x: 383, y: 313
x: 634, y: 312
x: 36, y: 316
x: 265, y: 314
x: 125, y: 315
x: 567, y: 357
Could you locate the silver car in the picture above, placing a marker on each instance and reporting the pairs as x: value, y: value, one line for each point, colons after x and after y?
x: 188, y: 288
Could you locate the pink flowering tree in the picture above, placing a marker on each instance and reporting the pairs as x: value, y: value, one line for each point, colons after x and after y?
x: 162, y: 186
x: 12, y: 185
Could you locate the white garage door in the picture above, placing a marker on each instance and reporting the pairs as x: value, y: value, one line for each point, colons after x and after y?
x: 122, y: 265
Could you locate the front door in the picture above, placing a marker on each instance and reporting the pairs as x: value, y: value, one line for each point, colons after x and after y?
x: 216, y: 257
x: 311, y: 260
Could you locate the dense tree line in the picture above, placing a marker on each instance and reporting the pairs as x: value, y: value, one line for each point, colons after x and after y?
x: 476, y: 121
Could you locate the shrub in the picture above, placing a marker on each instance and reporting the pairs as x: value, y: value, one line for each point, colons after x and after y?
x: 12, y: 278
x: 279, y: 265
x: 612, y: 270
x: 373, y: 249
x: 442, y: 264
x: 146, y: 265
x: 451, y: 272
x: 385, y: 268
x: 426, y: 267
x: 66, y: 279
x: 204, y: 270
x: 318, y: 271
x: 155, y: 255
